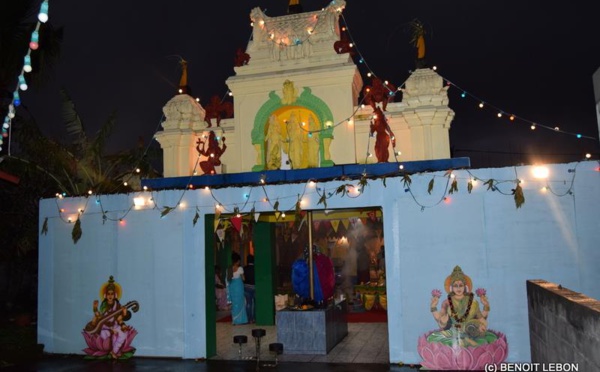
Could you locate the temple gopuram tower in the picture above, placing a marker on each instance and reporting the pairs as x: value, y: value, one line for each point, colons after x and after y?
x: 294, y: 75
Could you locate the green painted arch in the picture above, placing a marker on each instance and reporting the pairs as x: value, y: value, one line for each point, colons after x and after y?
x: 306, y: 100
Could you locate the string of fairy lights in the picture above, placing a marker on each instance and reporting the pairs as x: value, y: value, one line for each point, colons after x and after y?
x: 347, y: 188
x: 147, y: 201
x: 21, y: 81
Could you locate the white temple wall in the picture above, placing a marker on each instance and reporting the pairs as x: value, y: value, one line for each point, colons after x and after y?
x: 160, y: 261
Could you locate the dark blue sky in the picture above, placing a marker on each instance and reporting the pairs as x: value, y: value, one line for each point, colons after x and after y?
x: 529, y: 58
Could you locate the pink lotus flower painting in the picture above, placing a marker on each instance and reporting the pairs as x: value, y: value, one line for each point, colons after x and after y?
x: 437, y: 356
x: 100, y: 348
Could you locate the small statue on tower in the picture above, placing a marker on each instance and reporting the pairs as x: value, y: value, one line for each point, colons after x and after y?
x: 380, y: 126
x: 294, y: 7
x: 213, y: 153
x: 241, y: 58
x: 343, y: 45
x: 218, y: 110
x: 418, y: 40
x: 379, y: 92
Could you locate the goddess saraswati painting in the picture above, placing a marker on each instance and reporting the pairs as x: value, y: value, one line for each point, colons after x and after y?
x: 107, y: 336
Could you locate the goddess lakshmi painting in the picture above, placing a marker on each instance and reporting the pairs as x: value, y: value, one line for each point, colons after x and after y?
x: 463, y: 341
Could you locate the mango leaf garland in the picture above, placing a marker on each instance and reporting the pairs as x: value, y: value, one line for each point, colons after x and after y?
x: 453, y: 187
x: 519, y: 197
x: 76, y: 233
x: 45, y: 227
x: 196, y: 217
x: 362, y: 183
x: 407, y: 180
x: 323, y: 200
x: 430, y: 186
x: 165, y: 211
x: 490, y: 184
x: 470, y: 186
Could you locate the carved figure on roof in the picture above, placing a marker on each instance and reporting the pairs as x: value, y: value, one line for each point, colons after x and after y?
x: 217, y: 109
x: 290, y: 93
x: 378, y: 92
x: 383, y: 135
x: 274, y: 142
x: 296, y: 139
x: 343, y: 45
x: 313, y: 142
x: 213, y: 152
x: 294, y: 7
x: 241, y: 58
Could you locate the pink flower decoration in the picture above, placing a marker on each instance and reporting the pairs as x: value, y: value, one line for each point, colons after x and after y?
x: 480, y: 292
x: 437, y: 356
x: 99, y: 347
x: 436, y: 293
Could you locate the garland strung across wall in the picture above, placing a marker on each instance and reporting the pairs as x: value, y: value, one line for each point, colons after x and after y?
x: 240, y: 211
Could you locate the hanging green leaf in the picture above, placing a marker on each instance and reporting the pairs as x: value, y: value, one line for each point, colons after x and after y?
x: 453, y: 187
x: 406, y: 179
x: 76, y: 233
x: 430, y: 186
x: 341, y: 190
x: 470, y: 186
x: 165, y: 211
x: 362, y: 183
x: 196, y: 217
x: 490, y: 184
x: 45, y: 227
x: 276, y: 205
x: 519, y: 197
x: 383, y: 180
x: 323, y: 200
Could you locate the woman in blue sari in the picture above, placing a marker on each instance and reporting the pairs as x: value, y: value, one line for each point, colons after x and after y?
x: 235, y: 278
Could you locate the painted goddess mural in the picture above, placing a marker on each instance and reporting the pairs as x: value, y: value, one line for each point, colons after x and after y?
x: 463, y: 341
x: 106, y: 335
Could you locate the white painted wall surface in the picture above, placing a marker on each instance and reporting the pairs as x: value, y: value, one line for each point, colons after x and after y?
x: 160, y: 261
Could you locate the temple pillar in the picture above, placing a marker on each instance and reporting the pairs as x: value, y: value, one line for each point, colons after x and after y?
x: 183, y: 124
x: 427, y: 115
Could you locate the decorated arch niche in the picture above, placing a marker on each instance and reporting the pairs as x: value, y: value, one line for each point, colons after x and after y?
x: 302, y: 127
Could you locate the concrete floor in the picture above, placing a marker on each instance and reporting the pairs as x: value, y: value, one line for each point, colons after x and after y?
x: 364, y: 349
x: 365, y: 343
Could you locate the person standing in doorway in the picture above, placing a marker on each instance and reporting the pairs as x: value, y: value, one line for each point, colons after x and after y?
x: 235, y: 278
x: 249, y: 288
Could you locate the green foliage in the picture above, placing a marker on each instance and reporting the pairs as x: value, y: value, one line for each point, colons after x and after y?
x: 77, y: 232
x: 406, y: 180
x: 470, y: 186
x: 519, y: 196
x: 45, y: 227
x: 165, y: 211
x: 453, y: 187
x: 196, y: 217
x: 430, y: 186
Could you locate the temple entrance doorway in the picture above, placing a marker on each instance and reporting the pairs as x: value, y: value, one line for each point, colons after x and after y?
x: 350, y: 239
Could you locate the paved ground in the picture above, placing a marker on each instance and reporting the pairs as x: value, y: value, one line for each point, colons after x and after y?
x: 60, y: 363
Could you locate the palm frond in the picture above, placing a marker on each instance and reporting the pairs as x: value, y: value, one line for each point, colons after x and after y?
x: 73, y: 123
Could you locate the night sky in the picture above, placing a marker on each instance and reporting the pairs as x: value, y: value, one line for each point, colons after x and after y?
x: 528, y: 58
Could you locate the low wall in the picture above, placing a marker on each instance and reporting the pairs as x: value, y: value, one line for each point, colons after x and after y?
x: 564, y: 326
